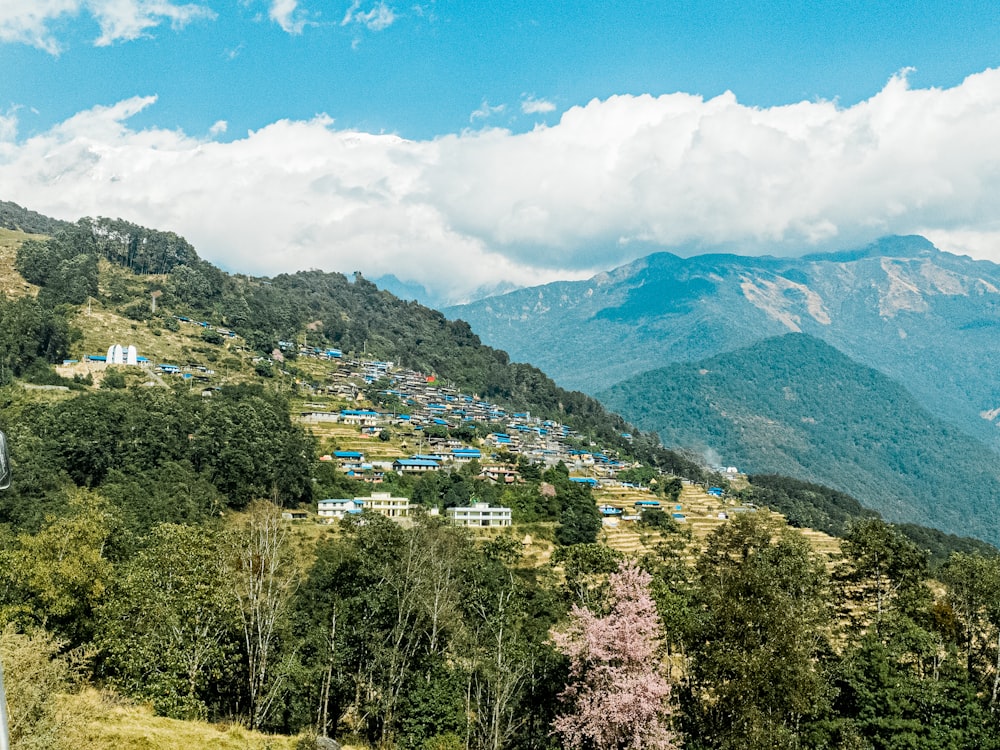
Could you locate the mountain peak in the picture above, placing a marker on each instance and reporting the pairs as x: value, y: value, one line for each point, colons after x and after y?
x: 893, y: 246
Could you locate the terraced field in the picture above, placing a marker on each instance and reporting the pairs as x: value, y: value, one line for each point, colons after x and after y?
x: 703, y: 514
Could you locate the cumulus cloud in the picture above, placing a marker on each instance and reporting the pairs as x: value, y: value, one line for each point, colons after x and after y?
x: 612, y: 179
x: 31, y: 21
x: 379, y: 16
x: 288, y: 15
x: 532, y: 106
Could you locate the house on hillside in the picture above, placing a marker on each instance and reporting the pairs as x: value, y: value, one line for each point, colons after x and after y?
x: 414, y: 465
x: 359, y: 417
x: 480, y: 515
x: 386, y: 505
x: 464, y: 455
x: 332, y: 508
x: 499, y: 474
x: 366, y: 473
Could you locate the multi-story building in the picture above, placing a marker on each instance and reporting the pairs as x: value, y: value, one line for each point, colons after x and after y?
x: 480, y: 514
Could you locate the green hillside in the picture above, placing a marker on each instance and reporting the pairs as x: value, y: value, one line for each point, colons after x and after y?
x: 13, y: 216
x: 794, y: 405
x: 309, y: 308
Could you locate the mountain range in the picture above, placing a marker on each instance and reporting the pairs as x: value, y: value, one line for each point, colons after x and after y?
x: 926, y: 318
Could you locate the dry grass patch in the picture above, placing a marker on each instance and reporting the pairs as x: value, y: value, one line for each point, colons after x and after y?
x: 99, y: 721
x: 12, y: 283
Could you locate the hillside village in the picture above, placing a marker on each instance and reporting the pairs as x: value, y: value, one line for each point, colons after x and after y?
x: 377, y: 417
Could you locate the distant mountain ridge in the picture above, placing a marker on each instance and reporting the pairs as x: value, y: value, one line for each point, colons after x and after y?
x: 794, y: 405
x: 927, y: 318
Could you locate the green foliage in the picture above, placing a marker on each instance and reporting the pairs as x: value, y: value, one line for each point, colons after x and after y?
x: 248, y: 446
x: 35, y: 670
x: 579, y: 519
x: 641, y: 475
x: 587, y: 567
x: 755, y: 677
x: 64, y: 266
x: 242, y: 441
x: 804, y: 504
x: 167, y: 628
x: 211, y: 336
x: 452, y: 489
x: 114, y: 379
x: 885, y: 568
x: 63, y: 571
x: 31, y: 334
x: 170, y: 493
x: 141, y: 250
x: 655, y: 518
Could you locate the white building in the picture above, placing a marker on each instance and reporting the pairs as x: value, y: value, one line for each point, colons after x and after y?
x: 385, y: 504
x: 338, y: 507
x: 117, y: 355
x: 480, y: 514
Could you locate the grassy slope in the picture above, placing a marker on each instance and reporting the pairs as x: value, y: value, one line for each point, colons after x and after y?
x: 96, y: 721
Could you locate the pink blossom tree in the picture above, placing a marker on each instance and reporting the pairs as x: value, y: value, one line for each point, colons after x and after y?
x: 617, y: 697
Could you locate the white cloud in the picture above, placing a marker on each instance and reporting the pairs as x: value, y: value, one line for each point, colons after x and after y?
x: 123, y: 20
x: 485, y: 111
x: 611, y: 179
x: 31, y: 21
x: 8, y: 126
x: 380, y: 16
x: 532, y: 106
x: 218, y: 128
x: 287, y: 15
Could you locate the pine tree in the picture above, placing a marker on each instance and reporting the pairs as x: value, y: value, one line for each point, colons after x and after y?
x: 617, y: 698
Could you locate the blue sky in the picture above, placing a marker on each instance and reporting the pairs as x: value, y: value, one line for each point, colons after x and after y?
x: 537, y: 140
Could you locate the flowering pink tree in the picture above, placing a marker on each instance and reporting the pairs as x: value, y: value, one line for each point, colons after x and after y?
x: 617, y: 697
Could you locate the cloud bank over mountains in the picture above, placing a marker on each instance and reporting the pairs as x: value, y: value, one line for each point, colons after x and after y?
x: 611, y: 180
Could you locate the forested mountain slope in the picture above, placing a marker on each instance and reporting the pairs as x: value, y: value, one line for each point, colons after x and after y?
x: 794, y: 405
x: 325, y: 309
x: 926, y: 318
